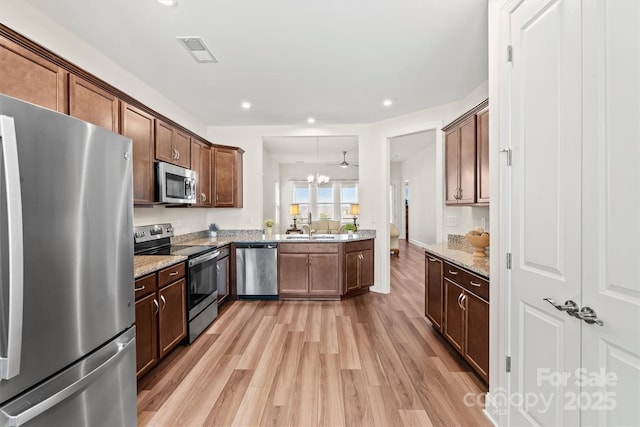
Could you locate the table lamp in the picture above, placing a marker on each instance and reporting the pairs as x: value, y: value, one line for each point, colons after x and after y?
x: 354, y: 209
x: 294, y: 210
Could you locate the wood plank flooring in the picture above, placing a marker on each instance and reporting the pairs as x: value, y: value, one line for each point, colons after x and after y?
x: 372, y: 360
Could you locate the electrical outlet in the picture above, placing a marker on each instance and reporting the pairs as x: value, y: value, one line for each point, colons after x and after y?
x: 452, y: 221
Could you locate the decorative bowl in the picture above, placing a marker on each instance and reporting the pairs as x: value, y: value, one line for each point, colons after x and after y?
x: 479, y: 244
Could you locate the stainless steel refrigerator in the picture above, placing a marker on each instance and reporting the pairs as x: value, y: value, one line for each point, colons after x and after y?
x: 67, y: 340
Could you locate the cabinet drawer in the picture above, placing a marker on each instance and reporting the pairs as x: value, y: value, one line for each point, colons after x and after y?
x: 361, y: 245
x: 170, y: 274
x: 145, y: 285
x: 308, y: 248
x: 469, y: 281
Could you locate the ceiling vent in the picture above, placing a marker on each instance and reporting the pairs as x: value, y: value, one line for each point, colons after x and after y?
x: 197, y: 48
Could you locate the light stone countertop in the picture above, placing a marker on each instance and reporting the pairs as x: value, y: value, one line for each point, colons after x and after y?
x: 460, y: 254
x: 145, y: 264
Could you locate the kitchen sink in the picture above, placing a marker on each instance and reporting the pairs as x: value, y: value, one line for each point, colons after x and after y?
x: 298, y: 237
x: 313, y: 237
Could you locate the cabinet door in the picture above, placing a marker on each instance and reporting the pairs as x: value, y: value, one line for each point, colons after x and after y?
x: 366, y: 268
x: 173, y: 315
x: 146, y: 333
x: 223, y: 278
x: 467, y: 167
x: 293, y: 274
x: 94, y: 105
x: 164, y: 143
x: 453, y: 314
x: 225, y: 177
x: 352, y: 271
x: 182, y: 147
x: 27, y: 76
x: 433, y: 292
x: 482, y: 179
x: 201, y: 164
x: 323, y: 274
x: 452, y: 143
x: 139, y: 126
x: 476, y: 337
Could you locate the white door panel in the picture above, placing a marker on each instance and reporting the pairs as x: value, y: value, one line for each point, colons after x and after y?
x: 545, y: 136
x: 611, y: 206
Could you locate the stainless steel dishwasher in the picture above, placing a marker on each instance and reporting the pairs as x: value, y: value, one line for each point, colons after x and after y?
x: 257, y: 270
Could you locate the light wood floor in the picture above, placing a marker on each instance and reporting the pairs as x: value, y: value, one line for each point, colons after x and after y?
x: 372, y: 360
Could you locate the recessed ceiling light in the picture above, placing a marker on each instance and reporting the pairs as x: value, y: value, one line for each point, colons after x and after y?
x: 246, y: 105
x: 169, y: 3
x: 197, y: 48
x: 311, y: 120
x: 387, y: 102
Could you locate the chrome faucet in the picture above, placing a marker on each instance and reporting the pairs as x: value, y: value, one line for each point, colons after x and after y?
x: 310, y: 230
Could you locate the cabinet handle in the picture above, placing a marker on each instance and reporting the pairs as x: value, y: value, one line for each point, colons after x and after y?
x: 138, y: 289
x: 177, y: 154
x: 164, y: 302
x: 433, y: 260
x: 203, y: 197
x: 460, y: 300
x: 155, y: 301
x: 218, y: 268
x: 464, y: 302
x: 173, y: 273
x: 477, y: 285
x: 455, y: 273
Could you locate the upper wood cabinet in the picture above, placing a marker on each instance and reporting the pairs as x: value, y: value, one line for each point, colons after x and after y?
x: 29, y: 77
x: 467, y: 158
x: 92, y: 104
x: 172, y: 146
x: 482, y: 144
x: 139, y: 126
x: 201, y: 164
x: 227, y: 181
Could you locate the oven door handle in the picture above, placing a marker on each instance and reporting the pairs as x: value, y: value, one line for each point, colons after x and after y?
x: 203, y: 258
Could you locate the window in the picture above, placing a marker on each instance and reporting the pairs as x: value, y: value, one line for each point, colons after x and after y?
x: 348, y: 195
x: 325, y: 201
x: 301, y: 197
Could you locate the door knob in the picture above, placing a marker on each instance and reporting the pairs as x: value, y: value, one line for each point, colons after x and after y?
x: 569, y: 306
x: 588, y: 315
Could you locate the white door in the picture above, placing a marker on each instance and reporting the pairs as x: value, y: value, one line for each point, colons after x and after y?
x: 611, y: 212
x: 574, y: 128
x: 545, y: 136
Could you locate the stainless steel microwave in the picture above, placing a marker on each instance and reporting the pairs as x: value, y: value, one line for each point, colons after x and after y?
x: 175, y: 184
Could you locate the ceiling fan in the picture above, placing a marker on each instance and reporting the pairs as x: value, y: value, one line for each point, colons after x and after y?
x: 344, y: 163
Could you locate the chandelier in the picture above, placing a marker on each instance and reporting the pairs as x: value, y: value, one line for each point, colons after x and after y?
x: 320, y: 179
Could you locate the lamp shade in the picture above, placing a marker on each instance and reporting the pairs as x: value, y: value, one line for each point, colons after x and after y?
x: 294, y: 209
x: 354, y: 209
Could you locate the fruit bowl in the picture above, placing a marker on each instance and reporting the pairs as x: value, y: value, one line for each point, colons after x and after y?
x: 479, y: 243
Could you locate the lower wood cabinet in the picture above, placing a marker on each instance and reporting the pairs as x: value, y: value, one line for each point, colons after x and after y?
x: 308, y: 270
x: 359, y: 266
x: 161, y: 315
x: 457, y: 303
x: 433, y: 308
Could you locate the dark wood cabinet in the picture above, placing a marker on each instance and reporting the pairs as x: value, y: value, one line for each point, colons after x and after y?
x: 161, y: 315
x: 467, y: 158
x: 201, y: 164
x: 223, y: 274
x: 172, y: 146
x: 227, y: 177
x: 309, y: 270
x: 466, y: 316
x: 92, y: 104
x: 172, y: 315
x: 29, y: 77
x: 358, y: 266
x: 482, y: 167
x: 139, y: 126
x: 146, y: 309
x: 433, y: 305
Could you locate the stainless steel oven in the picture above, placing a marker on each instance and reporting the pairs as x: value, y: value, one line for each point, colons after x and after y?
x: 202, y: 298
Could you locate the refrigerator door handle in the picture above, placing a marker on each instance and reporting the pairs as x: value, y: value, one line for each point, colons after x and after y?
x: 10, y: 363
x: 65, y: 392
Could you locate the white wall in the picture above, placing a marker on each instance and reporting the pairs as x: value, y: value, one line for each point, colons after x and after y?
x: 270, y: 178
x: 420, y: 171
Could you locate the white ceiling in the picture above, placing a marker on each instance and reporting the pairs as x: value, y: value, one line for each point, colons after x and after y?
x: 325, y: 150
x: 335, y: 60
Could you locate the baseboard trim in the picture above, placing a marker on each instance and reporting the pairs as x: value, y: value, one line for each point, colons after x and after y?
x: 491, y: 410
